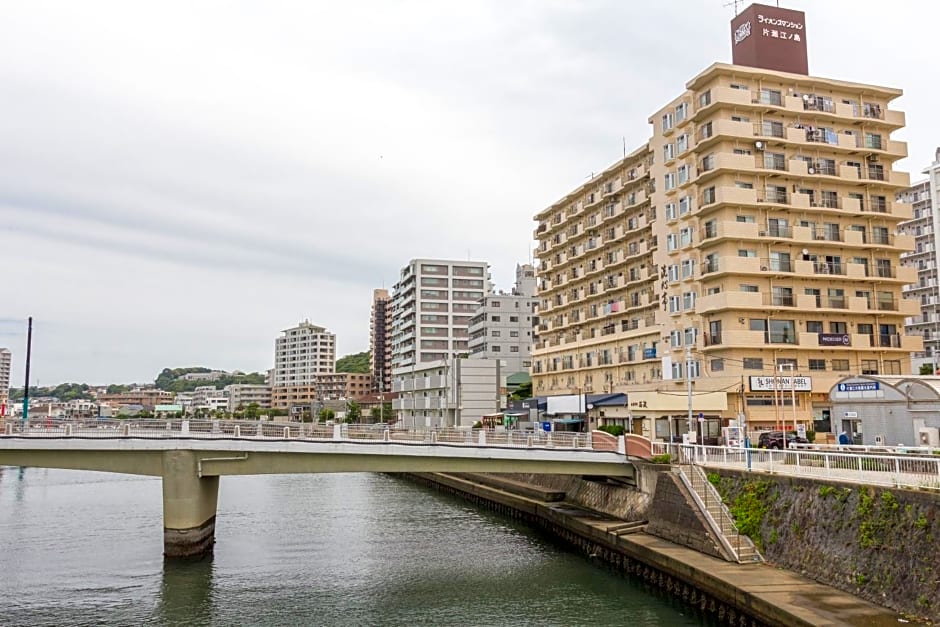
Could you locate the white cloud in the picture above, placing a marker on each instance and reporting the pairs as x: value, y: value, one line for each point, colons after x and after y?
x: 180, y: 181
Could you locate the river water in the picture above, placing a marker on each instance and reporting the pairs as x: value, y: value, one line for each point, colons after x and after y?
x: 82, y: 548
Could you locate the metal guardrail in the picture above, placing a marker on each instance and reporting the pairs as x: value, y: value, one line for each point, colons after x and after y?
x: 716, y: 514
x: 867, y: 468
x: 228, y: 429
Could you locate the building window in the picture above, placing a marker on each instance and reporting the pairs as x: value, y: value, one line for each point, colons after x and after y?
x: 717, y: 365
x: 840, y: 364
x: 753, y: 363
x: 513, y: 349
x: 869, y: 366
x: 817, y: 364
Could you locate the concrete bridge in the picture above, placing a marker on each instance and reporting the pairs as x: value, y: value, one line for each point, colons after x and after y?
x: 191, y: 456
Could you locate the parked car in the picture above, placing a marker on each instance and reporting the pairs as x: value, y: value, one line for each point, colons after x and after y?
x: 774, y: 439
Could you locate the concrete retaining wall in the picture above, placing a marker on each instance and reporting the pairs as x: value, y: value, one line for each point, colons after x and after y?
x: 674, y: 516
x: 879, y: 544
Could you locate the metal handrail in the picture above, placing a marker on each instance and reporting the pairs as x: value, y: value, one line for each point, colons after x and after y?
x: 225, y: 429
x: 896, y: 470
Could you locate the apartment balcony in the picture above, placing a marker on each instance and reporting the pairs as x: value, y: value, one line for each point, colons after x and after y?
x: 729, y: 196
x: 721, y: 129
x: 743, y: 338
x: 716, y: 164
x: 729, y: 300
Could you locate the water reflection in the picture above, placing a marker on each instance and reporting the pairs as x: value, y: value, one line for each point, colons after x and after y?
x: 185, y: 595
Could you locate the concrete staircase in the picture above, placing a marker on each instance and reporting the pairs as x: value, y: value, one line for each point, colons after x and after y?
x: 738, y: 545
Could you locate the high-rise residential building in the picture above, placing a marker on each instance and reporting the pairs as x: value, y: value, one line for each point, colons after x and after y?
x: 380, y: 340
x: 501, y: 328
x: 432, y: 305
x: 6, y: 361
x: 300, y: 355
x: 923, y: 228
x: 751, y: 248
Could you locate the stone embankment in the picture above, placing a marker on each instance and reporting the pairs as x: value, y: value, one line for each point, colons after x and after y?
x: 591, y: 518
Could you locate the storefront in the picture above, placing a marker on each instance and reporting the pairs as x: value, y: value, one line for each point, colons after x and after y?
x: 665, y: 415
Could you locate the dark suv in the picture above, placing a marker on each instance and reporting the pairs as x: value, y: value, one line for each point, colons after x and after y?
x: 774, y: 439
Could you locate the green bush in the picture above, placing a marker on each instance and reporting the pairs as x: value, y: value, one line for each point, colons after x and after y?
x: 615, y: 430
x: 665, y: 458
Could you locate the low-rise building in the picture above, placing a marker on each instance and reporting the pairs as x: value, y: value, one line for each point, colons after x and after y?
x: 887, y: 410
x: 454, y: 392
x: 241, y: 395
x: 333, y: 385
x: 147, y: 398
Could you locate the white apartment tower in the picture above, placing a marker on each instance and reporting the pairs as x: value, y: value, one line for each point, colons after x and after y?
x: 502, y: 326
x: 5, y: 366
x: 923, y: 226
x: 432, y: 305
x: 301, y: 353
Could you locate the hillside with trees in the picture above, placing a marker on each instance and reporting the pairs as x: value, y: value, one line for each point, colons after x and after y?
x: 355, y: 362
x: 64, y: 392
x: 169, y: 379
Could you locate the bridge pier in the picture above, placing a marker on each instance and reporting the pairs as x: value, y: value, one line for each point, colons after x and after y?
x: 189, y: 506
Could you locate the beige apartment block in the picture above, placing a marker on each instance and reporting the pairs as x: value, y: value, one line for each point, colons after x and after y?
x: 755, y: 236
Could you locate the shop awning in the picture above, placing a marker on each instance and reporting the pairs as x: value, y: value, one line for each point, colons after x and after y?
x: 568, y: 421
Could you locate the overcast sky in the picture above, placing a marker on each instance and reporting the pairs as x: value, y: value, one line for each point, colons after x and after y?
x: 181, y: 182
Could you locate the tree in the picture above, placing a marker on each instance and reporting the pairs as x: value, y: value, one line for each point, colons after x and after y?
x: 926, y: 369
x: 327, y: 414
x: 353, y: 411
x: 383, y: 413
x: 252, y: 411
x: 355, y: 362
x: 523, y: 392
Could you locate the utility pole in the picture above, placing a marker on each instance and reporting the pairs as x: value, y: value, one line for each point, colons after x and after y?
x: 29, y: 354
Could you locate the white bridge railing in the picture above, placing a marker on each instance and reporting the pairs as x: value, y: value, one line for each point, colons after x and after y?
x: 896, y: 470
x: 234, y: 429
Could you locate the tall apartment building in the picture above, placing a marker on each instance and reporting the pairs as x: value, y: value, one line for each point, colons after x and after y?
x: 300, y: 355
x: 432, y: 305
x: 380, y: 340
x: 923, y: 227
x: 501, y: 328
x: 6, y: 362
x: 752, y: 245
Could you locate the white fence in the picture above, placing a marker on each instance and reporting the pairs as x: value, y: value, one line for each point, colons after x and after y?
x: 223, y: 429
x: 909, y: 470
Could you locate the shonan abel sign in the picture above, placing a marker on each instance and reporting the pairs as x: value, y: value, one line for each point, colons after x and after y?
x: 781, y: 383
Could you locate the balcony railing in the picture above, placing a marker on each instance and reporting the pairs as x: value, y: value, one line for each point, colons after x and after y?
x: 773, y: 195
x: 776, y: 265
x: 828, y: 267
x: 886, y: 272
x: 777, y: 230
x: 827, y: 235
x: 769, y: 129
x: 780, y: 300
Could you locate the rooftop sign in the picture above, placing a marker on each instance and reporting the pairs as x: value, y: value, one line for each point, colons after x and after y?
x: 770, y: 38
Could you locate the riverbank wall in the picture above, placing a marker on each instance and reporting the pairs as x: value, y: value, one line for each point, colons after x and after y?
x: 728, y: 593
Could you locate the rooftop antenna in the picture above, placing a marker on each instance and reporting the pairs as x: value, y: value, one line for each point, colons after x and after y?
x: 735, y: 4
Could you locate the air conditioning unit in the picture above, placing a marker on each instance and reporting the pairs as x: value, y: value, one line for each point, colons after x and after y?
x: 929, y: 436
x: 871, y: 158
x: 811, y: 170
x: 759, y: 145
